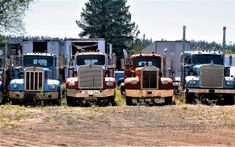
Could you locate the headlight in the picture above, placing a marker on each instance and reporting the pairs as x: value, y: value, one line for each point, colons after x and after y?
x: 164, y: 82
x: 109, y: 83
x: 192, y: 82
x: 52, y: 86
x: 133, y: 82
x: 229, y: 83
x: 15, y: 85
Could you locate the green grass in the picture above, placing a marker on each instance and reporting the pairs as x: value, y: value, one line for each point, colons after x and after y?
x: 12, y: 107
x: 10, y: 126
x: 179, y: 99
x: 11, y: 114
x: 120, y: 99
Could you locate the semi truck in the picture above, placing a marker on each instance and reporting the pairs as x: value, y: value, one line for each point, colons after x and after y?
x: 207, y: 80
x: 144, y: 83
x: 34, y: 79
x: 93, y: 81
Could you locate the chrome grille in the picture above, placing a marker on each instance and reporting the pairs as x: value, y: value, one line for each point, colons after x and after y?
x: 90, y: 77
x: 149, y: 77
x: 33, y: 80
x: 211, y: 76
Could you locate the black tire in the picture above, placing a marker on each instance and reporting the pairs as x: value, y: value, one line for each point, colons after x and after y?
x: 70, y: 101
x: 56, y: 102
x: 229, y: 99
x: 15, y: 102
x: 112, y: 100
x: 168, y: 100
x: 128, y: 101
x: 5, y: 99
x: 189, y: 98
x: 1, y: 100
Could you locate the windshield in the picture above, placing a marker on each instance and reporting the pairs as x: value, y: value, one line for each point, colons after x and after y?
x: 91, y: 59
x: 42, y: 61
x: 143, y: 61
x: 207, y: 59
x: 187, y: 59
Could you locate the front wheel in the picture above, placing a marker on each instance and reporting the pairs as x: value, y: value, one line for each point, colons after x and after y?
x: 15, y: 102
x: 112, y: 100
x: 229, y: 99
x: 189, y: 98
x: 70, y: 101
x: 128, y: 101
x: 168, y: 100
x: 56, y: 102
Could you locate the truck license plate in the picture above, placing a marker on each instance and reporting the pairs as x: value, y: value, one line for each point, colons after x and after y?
x: 91, y: 92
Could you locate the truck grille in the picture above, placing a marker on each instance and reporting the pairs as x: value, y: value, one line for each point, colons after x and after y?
x: 149, y: 77
x: 211, y: 76
x: 90, y: 77
x: 33, y: 80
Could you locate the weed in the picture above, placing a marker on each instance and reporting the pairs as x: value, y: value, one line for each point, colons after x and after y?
x: 47, y: 119
x: 91, y: 118
x: 120, y: 100
x: 12, y: 107
x: 179, y: 99
x: 10, y: 125
x: 13, y: 117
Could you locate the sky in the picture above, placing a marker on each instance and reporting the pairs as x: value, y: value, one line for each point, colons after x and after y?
x: 157, y: 19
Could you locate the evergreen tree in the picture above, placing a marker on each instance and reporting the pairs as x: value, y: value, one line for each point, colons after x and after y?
x: 111, y: 20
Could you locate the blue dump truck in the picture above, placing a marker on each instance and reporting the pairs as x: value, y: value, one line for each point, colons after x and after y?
x: 34, y: 81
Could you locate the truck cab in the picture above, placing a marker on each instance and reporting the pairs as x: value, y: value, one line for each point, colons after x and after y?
x: 144, y: 82
x: 206, y: 78
x: 35, y: 80
x: 93, y: 80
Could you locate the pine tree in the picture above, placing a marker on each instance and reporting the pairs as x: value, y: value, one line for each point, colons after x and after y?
x: 111, y: 20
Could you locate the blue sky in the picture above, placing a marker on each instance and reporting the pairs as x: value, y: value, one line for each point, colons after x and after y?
x: 158, y: 19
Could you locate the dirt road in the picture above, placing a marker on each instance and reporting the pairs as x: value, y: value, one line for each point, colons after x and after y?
x: 122, y: 125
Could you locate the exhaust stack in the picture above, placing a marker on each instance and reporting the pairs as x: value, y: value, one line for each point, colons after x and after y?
x: 224, y: 38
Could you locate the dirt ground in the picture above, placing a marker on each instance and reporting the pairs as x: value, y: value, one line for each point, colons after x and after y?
x: 117, y: 126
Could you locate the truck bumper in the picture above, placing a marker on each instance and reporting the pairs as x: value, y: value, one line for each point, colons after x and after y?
x: 33, y: 95
x: 156, y: 93
x: 218, y: 91
x: 90, y: 93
